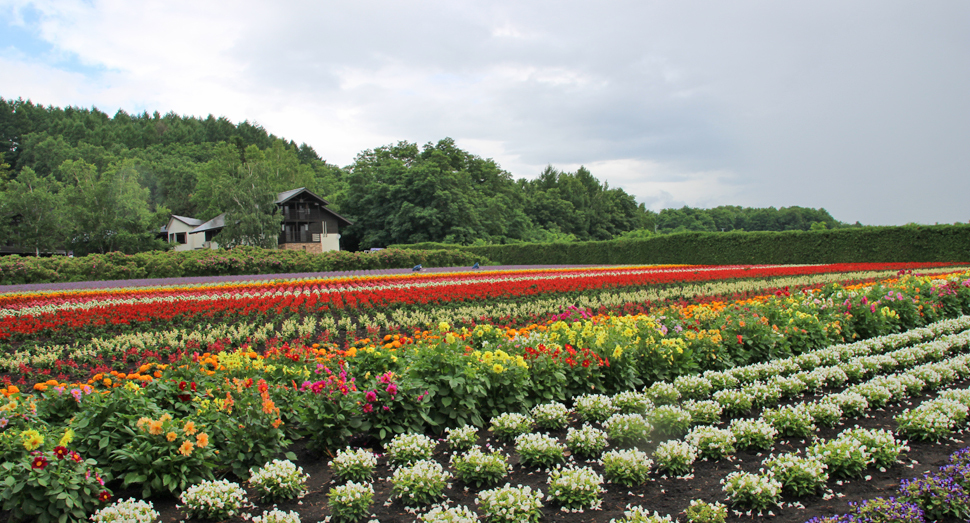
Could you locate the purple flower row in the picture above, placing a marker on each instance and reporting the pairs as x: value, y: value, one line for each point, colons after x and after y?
x: 943, y: 495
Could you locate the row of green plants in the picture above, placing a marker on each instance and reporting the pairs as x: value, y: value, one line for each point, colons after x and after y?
x: 213, y: 415
x: 240, y: 260
x: 946, y: 243
x: 896, y: 370
x: 418, y: 482
x: 475, y: 374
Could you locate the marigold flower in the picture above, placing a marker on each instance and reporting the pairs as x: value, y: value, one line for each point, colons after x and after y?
x: 186, y: 448
x: 171, y: 436
x: 107, y: 382
x: 190, y: 428
x: 202, y: 440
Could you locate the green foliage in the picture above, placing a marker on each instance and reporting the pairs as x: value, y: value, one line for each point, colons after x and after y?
x: 350, y: 502
x: 204, y: 262
x: 166, y: 455
x: 480, y: 469
x: 457, y: 389
x: 52, y: 486
x: 910, y: 243
x: 328, y: 414
x: 248, y: 432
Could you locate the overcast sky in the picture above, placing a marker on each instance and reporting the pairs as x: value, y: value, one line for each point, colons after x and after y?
x: 860, y: 107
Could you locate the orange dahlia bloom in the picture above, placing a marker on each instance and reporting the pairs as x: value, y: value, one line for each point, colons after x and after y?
x: 154, y: 427
x: 186, y: 448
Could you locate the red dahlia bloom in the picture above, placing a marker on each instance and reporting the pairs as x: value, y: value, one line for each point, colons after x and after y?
x: 60, y: 452
x: 104, y: 496
x: 39, y: 463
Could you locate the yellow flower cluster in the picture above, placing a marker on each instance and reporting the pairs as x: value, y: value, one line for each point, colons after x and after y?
x: 500, y: 360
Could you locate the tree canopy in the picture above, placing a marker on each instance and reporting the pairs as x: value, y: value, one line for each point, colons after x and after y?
x: 77, y: 179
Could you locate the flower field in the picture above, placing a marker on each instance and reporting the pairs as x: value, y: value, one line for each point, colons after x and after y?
x: 781, y: 390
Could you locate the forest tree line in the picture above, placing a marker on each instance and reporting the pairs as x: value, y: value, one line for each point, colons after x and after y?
x: 79, y: 180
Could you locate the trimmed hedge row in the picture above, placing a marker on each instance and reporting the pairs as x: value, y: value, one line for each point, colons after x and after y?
x: 238, y: 261
x: 937, y: 243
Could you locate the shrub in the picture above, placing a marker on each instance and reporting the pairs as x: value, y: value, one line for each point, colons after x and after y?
x: 477, y: 468
x: 550, y: 416
x: 627, y: 429
x: 586, y: 441
x: 594, y: 407
x: 509, y: 425
x: 701, y: 511
x: 279, y: 480
x: 705, y: 412
x: 627, y: 467
x: 675, y: 457
x: 881, y: 443
x: 277, y: 516
x: 693, y: 387
x: 461, y: 438
x: 510, y: 504
x: 440, y: 514
x: 407, y: 448
x: 128, y: 511
x: 844, y: 456
x: 419, y: 483
x: 798, y: 476
x: 791, y: 421
x: 538, y: 450
x: 663, y: 393
x: 218, y: 499
x: 350, y: 502
x: 632, y: 402
x: 353, y: 465
x: 711, y: 442
x: 753, y: 434
x: 576, y: 488
x: 756, y: 491
x: 670, y: 421
x: 733, y: 402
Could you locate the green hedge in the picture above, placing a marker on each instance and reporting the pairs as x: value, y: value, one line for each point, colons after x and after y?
x: 241, y: 260
x: 937, y: 243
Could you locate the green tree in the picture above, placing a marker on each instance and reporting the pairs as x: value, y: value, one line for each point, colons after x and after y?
x: 109, y: 210
x: 36, y: 204
x: 244, y: 187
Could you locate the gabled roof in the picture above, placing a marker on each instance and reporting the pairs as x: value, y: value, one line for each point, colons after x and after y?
x: 216, y: 223
x: 285, y: 196
x: 339, y: 217
x: 194, y: 222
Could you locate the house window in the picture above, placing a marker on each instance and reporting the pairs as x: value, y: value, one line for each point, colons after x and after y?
x: 180, y: 238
